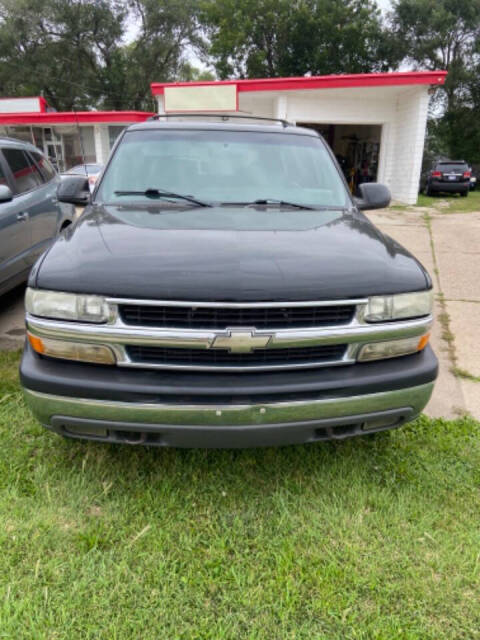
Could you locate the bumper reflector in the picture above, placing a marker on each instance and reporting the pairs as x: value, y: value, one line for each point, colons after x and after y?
x: 79, y: 351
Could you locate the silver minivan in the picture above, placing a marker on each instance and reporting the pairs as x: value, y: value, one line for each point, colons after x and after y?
x: 30, y: 214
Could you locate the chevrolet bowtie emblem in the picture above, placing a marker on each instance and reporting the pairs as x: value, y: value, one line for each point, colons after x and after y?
x: 241, y: 341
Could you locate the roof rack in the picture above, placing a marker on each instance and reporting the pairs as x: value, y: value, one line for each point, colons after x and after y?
x: 222, y: 116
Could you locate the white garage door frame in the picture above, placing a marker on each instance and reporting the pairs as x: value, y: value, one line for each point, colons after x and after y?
x: 383, y: 139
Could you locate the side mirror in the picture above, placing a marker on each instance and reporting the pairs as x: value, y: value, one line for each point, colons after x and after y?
x: 74, y: 190
x: 373, y: 196
x: 5, y: 193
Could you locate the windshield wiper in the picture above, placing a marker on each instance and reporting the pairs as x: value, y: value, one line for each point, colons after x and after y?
x: 282, y: 203
x: 162, y: 193
x: 285, y: 203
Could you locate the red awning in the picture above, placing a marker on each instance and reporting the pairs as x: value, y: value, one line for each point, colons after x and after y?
x: 70, y: 117
x: 319, y: 82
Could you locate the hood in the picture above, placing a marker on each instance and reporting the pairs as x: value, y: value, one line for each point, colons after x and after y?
x: 227, y: 253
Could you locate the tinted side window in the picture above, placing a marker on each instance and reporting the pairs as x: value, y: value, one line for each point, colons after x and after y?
x: 3, y: 179
x: 46, y: 168
x: 26, y: 175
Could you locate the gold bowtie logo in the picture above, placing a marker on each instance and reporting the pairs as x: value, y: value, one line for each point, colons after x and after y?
x: 241, y: 341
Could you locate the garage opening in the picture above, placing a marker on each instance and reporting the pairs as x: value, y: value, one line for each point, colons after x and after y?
x: 356, y: 147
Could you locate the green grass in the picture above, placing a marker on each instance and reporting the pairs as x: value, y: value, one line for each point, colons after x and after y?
x: 461, y: 373
x: 445, y: 203
x: 456, y: 204
x: 373, y: 538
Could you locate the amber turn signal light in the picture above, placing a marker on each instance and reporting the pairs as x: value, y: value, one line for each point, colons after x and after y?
x: 423, y: 342
x: 36, y: 343
x: 66, y: 350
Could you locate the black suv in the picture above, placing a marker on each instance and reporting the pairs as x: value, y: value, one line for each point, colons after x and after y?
x: 223, y: 289
x: 448, y: 176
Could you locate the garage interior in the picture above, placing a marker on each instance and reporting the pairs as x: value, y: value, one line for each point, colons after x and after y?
x: 356, y: 147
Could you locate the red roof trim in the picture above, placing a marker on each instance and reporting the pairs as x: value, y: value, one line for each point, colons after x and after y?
x: 320, y: 82
x: 70, y: 117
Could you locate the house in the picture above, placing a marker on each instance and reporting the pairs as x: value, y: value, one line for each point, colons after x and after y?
x: 66, y: 137
x: 375, y: 122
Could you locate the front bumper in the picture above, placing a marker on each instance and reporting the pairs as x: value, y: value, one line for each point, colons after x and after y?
x: 187, y: 410
x: 228, y: 425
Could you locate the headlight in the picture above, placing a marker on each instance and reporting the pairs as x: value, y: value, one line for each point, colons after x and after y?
x: 400, y: 306
x: 66, y: 306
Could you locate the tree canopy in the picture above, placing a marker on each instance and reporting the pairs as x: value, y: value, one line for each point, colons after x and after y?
x: 103, y: 53
x: 94, y: 53
x: 267, y: 38
x: 440, y: 34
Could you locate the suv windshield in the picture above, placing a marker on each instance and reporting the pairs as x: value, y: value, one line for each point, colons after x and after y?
x: 223, y: 166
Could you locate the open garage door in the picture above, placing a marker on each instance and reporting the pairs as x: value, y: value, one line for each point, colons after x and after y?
x: 356, y: 147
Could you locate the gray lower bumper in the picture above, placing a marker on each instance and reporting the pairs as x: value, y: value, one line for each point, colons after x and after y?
x: 219, y: 425
x: 449, y: 187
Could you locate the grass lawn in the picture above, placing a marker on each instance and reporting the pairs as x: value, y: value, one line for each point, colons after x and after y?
x: 456, y: 204
x: 368, y: 538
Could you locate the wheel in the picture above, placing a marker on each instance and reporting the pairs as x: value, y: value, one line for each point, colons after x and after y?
x: 427, y: 191
x: 464, y: 194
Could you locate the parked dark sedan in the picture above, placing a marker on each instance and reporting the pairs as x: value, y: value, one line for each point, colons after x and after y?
x: 224, y: 289
x: 30, y: 214
x: 449, y: 176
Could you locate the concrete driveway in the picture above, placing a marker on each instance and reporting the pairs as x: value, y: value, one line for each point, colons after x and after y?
x: 449, y: 247
x: 12, y: 327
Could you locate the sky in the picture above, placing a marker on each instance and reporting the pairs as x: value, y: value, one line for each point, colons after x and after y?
x: 384, y: 4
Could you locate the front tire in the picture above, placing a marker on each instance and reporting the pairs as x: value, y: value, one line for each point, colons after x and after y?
x: 464, y: 194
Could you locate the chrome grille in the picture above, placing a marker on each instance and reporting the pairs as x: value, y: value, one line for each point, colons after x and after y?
x: 267, y: 317
x: 222, y: 357
x: 251, y: 347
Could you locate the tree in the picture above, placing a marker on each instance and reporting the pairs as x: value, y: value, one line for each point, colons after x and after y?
x: 52, y: 47
x: 76, y: 53
x: 439, y: 34
x: 267, y: 38
x: 167, y: 30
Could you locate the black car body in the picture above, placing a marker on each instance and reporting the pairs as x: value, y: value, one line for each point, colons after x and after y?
x: 226, y: 315
x: 448, y: 176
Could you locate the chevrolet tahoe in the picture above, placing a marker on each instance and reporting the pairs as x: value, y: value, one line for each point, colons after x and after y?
x: 223, y: 288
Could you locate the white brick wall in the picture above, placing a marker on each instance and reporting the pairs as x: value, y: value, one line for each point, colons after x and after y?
x: 102, y: 143
x: 404, y: 158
